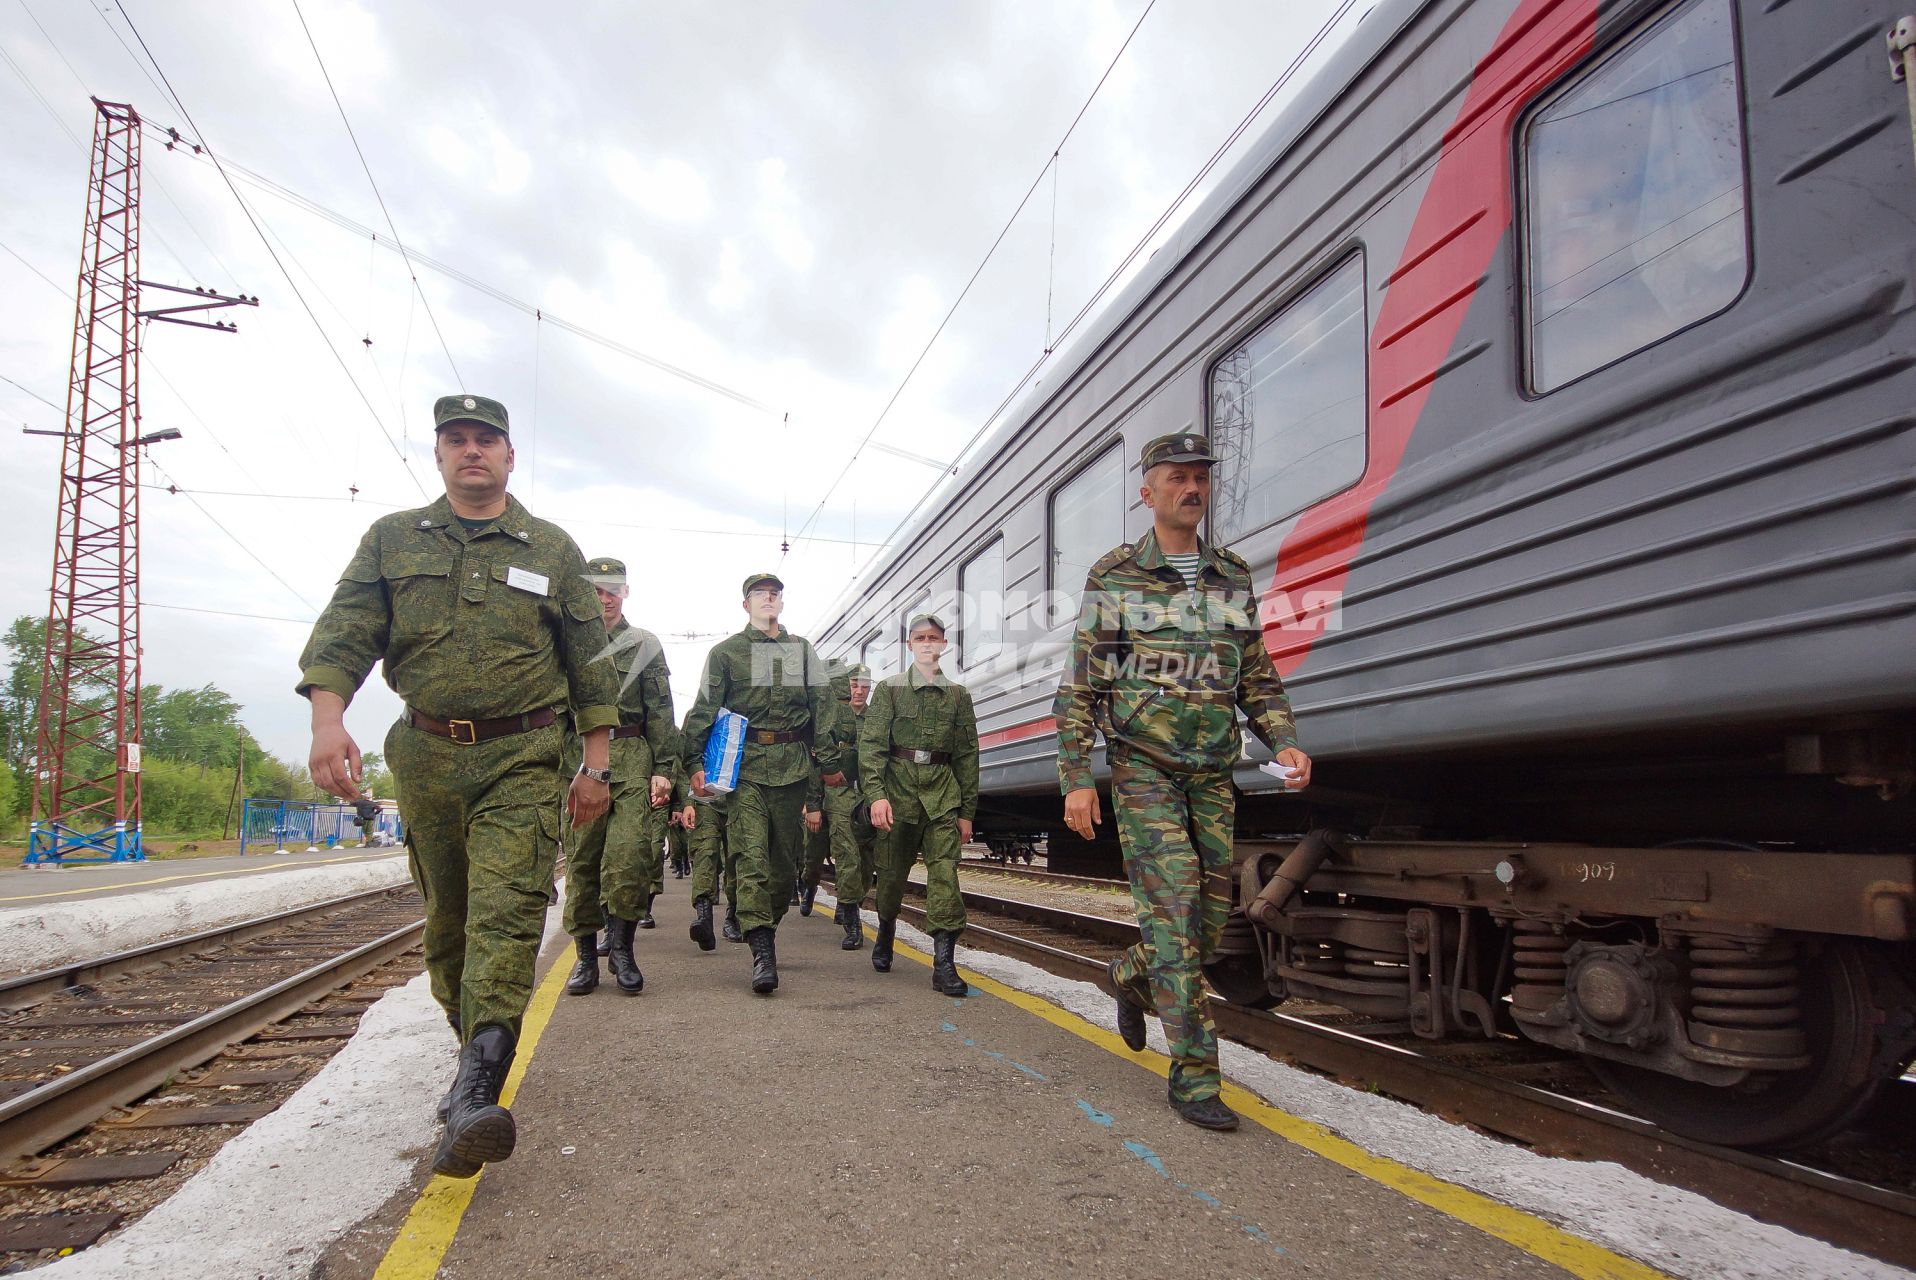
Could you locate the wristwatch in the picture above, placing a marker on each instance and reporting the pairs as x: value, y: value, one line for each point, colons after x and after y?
x: 597, y: 775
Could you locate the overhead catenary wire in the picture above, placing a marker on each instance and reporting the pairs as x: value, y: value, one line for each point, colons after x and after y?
x: 246, y: 209
x: 963, y: 293
x: 231, y: 537
x: 377, y: 195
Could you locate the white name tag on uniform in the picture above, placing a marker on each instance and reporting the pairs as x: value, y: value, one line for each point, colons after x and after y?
x: 526, y: 580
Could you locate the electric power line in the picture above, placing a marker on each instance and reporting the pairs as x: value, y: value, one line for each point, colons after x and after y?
x: 327, y: 76
x: 254, y: 555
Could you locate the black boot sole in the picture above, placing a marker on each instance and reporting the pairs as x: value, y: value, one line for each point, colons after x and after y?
x: 764, y: 986
x: 852, y: 942
x: 487, y: 1138
x: 635, y: 988
x: 881, y: 963
x: 702, y: 934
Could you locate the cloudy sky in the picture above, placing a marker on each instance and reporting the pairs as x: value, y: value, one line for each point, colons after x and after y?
x: 783, y: 199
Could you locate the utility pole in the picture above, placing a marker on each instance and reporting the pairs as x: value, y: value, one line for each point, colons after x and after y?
x: 239, y: 783
x: 86, y: 772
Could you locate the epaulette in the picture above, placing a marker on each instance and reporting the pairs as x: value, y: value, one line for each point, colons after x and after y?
x: 1231, y: 557
x: 1114, y: 557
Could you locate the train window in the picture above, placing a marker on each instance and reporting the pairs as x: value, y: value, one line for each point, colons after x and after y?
x: 981, y: 612
x: 1087, y: 520
x: 1634, y: 197
x: 875, y: 653
x: 1287, y: 407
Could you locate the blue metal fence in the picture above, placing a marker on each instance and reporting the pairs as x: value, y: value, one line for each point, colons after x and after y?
x: 301, y: 824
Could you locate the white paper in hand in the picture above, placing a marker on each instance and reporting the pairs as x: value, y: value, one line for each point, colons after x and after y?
x: 1282, y: 772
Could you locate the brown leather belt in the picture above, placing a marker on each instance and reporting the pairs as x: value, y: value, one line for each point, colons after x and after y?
x: 772, y: 737
x: 920, y: 757
x: 629, y: 731
x: 468, y: 732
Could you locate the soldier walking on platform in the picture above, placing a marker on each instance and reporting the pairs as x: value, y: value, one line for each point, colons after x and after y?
x: 678, y: 846
x: 611, y: 864
x: 1168, y: 647
x: 918, y: 758
x: 713, y: 862
x: 845, y: 830
x: 488, y: 630
x: 779, y: 684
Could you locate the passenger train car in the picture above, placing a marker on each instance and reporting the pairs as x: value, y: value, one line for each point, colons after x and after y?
x: 1559, y: 356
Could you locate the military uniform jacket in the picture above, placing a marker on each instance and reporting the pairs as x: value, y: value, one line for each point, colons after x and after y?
x: 908, y: 710
x: 472, y: 626
x: 1161, y: 669
x: 845, y: 726
x: 645, y: 701
x: 779, y: 684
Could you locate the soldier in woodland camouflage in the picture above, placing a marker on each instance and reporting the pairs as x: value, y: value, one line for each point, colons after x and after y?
x: 1167, y: 650
x: 611, y: 865
x: 779, y: 684
x: 918, y: 756
x: 843, y: 828
x: 488, y: 631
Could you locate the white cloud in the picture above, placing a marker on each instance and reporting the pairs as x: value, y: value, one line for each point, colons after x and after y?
x: 667, y: 187
x: 778, y: 217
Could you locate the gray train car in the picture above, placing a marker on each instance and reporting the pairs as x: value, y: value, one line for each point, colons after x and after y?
x: 1559, y: 354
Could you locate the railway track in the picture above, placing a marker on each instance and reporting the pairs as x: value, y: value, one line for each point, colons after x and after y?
x: 1459, y: 1082
x: 83, y: 1043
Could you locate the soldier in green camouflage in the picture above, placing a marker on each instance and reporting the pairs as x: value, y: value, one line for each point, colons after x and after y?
x: 1167, y: 649
x: 842, y: 828
x: 918, y: 757
x: 713, y: 861
x: 779, y: 684
x: 678, y: 847
x: 610, y: 864
x: 488, y: 630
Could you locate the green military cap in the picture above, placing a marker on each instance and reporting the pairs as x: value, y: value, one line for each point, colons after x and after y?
x: 474, y: 409
x: 922, y: 618
x: 759, y: 580
x: 859, y: 671
x: 605, y: 572
x: 1184, y: 447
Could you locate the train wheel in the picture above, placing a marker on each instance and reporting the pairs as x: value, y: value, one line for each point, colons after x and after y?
x: 1787, y: 1109
x: 1240, y: 979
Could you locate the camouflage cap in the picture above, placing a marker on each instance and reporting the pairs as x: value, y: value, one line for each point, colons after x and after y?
x: 604, y: 571
x: 474, y: 409
x: 920, y: 619
x: 859, y: 671
x: 759, y: 580
x: 1183, y: 447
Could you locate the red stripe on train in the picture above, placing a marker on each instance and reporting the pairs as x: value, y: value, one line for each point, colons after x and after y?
x: 1458, y: 228
x: 1017, y: 733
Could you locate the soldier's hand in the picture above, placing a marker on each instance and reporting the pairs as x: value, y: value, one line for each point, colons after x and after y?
x: 689, y: 817
x: 335, y: 763
x: 661, y: 790
x: 834, y: 779
x: 964, y: 831
x: 814, y: 820
x: 587, y: 801
x: 1081, y: 811
x: 881, y: 814
x: 1293, y: 759
x: 698, y: 784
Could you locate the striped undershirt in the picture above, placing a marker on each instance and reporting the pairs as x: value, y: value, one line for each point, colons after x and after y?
x: 1186, y: 563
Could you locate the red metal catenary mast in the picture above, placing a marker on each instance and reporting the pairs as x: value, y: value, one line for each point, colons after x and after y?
x: 86, y: 777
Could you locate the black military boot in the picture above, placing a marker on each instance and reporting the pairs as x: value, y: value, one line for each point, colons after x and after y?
x: 585, y: 974
x: 854, y: 929
x: 702, y: 922
x: 807, y: 896
x: 944, y: 965
x: 478, y: 1130
x: 881, y: 949
x: 445, y: 1099
x: 604, y: 945
x: 645, y: 920
x: 625, y: 970
x: 1207, y: 1113
x: 730, y: 927
x: 764, y: 960
x: 1130, y: 1016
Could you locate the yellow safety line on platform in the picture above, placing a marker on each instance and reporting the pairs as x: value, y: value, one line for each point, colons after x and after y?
x: 1533, y: 1235
x: 204, y: 875
x: 415, y: 1254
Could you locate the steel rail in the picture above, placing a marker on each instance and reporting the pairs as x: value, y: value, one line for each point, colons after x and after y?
x: 1845, y: 1212
x: 31, y: 988
x: 43, y: 1115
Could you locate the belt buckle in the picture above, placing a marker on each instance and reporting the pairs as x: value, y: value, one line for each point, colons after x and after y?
x: 919, y: 756
x: 471, y: 732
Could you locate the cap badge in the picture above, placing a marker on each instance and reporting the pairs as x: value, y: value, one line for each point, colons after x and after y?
x: 1188, y: 442
x: 471, y: 403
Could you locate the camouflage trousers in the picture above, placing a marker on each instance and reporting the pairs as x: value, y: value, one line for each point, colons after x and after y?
x: 679, y: 848
x: 853, y: 846
x: 765, y: 831
x: 482, y: 833
x: 937, y: 839
x: 1175, y: 830
x: 613, y: 865
x: 711, y: 851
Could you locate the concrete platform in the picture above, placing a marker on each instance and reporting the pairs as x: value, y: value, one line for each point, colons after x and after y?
x: 22, y: 886
x: 860, y: 1124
